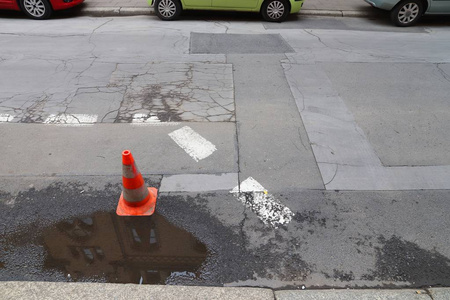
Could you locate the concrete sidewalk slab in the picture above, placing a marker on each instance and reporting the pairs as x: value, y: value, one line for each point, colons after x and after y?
x: 64, y: 290
x: 60, y: 290
x: 91, y: 150
x: 106, y: 11
x: 345, y: 156
x: 110, y: 11
x: 353, y: 295
x: 199, y: 182
x: 440, y: 293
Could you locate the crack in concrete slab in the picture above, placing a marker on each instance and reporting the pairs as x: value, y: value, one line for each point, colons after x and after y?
x: 442, y: 72
x: 176, y: 92
x: 344, y: 145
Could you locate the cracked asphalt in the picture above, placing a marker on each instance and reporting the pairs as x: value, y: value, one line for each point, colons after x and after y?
x: 342, y: 121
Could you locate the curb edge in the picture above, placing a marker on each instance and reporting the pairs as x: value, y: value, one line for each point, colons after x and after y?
x: 138, y: 11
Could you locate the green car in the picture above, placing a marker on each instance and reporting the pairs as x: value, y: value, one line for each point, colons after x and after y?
x: 408, y: 12
x: 271, y: 10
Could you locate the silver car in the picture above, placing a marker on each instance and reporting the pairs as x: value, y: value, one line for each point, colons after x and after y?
x: 408, y: 12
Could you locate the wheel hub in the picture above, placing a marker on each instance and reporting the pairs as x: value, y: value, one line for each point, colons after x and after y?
x: 408, y: 13
x: 36, y: 8
x: 275, y: 10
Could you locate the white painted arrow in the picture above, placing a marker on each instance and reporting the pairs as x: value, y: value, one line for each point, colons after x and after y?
x: 268, y: 209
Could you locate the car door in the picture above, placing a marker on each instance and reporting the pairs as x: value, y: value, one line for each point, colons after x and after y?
x: 439, y: 6
x: 235, y: 3
x: 196, y: 3
x: 6, y: 4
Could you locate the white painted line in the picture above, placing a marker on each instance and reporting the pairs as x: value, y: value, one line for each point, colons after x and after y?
x: 149, y: 120
x: 160, y: 124
x: 269, y: 210
x: 4, y: 118
x: 194, y: 144
x: 71, y: 119
x: 145, y: 118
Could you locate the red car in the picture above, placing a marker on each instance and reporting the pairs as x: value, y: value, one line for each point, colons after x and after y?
x: 38, y: 9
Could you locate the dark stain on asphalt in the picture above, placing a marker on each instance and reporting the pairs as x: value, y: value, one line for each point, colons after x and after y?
x: 310, y: 218
x: 145, y: 100
x: 340, y: 275
x: 108, y: 248
x: 231, y: 261
x: 166, y: 113
x: 403, y: 261
x: 46, y: 235
x: 224, y: 250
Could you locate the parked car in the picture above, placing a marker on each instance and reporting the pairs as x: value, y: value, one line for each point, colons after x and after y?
x: 271, y: 10
x: 408, y: 12
x: 38, y: 9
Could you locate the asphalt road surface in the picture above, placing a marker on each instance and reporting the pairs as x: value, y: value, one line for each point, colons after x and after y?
x: 311, y: 153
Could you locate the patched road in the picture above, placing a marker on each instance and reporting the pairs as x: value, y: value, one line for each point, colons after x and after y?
x: 309, y: 153
x: 66, y: 229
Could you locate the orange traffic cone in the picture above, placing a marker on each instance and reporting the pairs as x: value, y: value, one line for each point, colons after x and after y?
x: 136, y: 199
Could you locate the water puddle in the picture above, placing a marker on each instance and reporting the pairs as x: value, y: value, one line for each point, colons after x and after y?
x: 109, y: 248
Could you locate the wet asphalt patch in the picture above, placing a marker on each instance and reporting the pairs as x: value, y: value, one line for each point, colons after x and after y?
x: 67, y: 232
x: 335, y: 239
x: 399, y: 260
x: 122, y: 249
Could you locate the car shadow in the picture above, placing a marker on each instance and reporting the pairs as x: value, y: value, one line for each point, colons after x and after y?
x: 72, y: 12
x: 434, y: 20
x: 11, y: 14
x: 382, y: 18
x: 219, y: 16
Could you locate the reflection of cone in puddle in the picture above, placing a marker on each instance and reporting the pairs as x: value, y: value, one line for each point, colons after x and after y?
x: 136, y: 199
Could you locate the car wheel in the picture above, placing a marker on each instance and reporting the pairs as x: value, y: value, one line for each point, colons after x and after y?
x: 275, y: 10
x: 407, y: 13
x: 168, y: 10
x: 36, y: 9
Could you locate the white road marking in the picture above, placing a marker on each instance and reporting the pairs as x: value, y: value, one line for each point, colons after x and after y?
x: 150, y: 119
x: 4, y: 118
x: 194, y: 144
x: 249, y: 185
x: 145, y: 118
x: 71, y: 119
x: 269, y: 210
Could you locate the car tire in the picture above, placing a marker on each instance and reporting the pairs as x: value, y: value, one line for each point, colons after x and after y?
x: 168, y: 10
x: 36, y: 9
x: 407, y: 13
x: 275, y: 10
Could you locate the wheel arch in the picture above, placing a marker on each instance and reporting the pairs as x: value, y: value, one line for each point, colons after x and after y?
x: 425, y: 5
x: 181, y: 3
x: 19, y: 4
